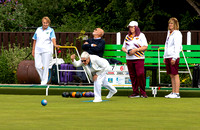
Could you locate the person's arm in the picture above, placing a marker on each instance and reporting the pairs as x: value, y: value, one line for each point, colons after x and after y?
x: 33, y: 49
x: 143, y: 48
x: 133, y: 51
x: 99, y: 47
x: 165, y: 49
x: 86, y: 45
x: 129, y: 52
x: 53, y: 38
x: 178, y: 45
x: 144, y: 45
x: 74, y: 62
x: 34, y: 42
x: 124, y: 50
x: 124, y: 46
x: 54, y: 42
x: 177, y: 48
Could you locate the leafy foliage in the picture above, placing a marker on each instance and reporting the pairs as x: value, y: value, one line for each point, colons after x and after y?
x: 6, y: 75
x: 9, y: 60
x: 13, y: 16
x: 111, y: 15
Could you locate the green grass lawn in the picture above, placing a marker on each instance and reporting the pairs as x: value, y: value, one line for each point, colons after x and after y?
x: 120, y: 112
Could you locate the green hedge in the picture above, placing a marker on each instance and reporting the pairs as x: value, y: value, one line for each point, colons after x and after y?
x: 9, y: 60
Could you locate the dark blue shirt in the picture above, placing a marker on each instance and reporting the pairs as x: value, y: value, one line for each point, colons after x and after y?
x: 97, y: 50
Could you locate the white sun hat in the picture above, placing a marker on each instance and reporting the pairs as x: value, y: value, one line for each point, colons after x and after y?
x: 133, y: 23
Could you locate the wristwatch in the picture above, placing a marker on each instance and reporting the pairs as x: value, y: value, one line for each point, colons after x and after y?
x: 129, y: 51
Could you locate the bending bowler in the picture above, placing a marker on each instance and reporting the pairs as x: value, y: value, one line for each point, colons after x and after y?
x: 96, y: 68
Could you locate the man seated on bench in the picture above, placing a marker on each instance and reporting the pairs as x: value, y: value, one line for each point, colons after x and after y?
x: 95, y: 45
x: 96, y: 68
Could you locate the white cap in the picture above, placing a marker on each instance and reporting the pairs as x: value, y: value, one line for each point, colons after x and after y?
x: 133, y: 23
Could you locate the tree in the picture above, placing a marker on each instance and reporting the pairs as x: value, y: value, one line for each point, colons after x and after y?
x: 120, y: 13
x: 195, y: 4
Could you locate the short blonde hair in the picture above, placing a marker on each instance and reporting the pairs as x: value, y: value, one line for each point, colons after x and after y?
x: 175, y: 21
x: 85, y: 55
x: 47, y: 19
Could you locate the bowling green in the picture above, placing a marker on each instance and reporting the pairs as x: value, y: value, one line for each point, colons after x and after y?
x: 22, y: 112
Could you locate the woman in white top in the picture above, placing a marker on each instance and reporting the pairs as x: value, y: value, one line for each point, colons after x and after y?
x: 134, y: 45
x: 173, y: 47
x: 42, y: 48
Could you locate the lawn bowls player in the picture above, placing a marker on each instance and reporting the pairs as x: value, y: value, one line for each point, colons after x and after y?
x: 173, y: 47
x: 134, y: 45
x: 96, y: 68
x: 43, y: 48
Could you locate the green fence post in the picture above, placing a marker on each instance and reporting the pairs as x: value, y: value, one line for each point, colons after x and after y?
x: 147, y: 82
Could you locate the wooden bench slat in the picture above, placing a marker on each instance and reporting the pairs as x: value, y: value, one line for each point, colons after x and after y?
x: 191, y: 47
x: 151, y: 54
x: 187, y: 54
x: 113, y: 47
x: 114, y: 53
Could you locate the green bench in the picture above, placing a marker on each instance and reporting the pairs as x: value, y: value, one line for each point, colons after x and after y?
x: 191, y: 52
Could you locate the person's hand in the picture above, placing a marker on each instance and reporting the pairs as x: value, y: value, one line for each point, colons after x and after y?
x: 95, y: 77
x: 33, y: 53
x: 173, y: 62
x: 86, y: 43
x: 132, y: 52
x: 94, y: 45
x: 57, y: 46
x: 73, y: 57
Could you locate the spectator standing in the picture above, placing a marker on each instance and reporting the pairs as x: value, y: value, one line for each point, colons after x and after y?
x: 173, y: 47
x: 42, y: 48
x: 134, y: 46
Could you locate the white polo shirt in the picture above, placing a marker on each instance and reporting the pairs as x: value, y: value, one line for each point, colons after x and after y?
x: 173, y: 45
x: 44, y: 40
x: 133, y: 43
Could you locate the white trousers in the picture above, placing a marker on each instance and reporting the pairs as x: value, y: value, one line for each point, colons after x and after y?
x: 42, y: 61
x: 102, y: 82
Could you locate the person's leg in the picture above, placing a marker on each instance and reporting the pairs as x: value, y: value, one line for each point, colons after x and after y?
x: 176, y: 76
x: 139, y: 67
x: 97, y: 89
x: 132, y: 74
x: 112, y: 89
x: 38, y: 64
x: 173, y: 82
x: 177, y: 83
x: 176, y: 80
x: 175, y: 87
x: 168, y: 69
x: 46, y: 57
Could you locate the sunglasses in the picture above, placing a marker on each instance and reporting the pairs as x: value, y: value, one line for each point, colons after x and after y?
x: 83, y: 60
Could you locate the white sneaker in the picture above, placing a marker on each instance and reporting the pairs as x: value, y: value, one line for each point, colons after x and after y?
x: 43, y: 83
x: 99, y: 100
x: 167, y: 96
x: 174, y: 96
x: 110, y: 94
